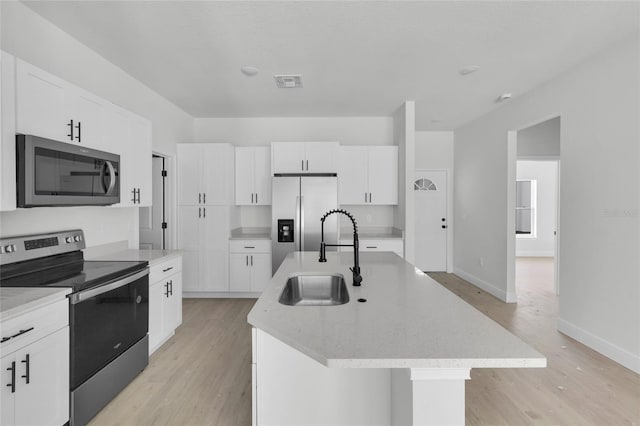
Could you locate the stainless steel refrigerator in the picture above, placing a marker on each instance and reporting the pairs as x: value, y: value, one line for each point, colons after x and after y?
x: 297, y: 204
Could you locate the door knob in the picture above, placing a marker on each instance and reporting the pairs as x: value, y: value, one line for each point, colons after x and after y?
x: 444, y: 226
x: 443, y: 219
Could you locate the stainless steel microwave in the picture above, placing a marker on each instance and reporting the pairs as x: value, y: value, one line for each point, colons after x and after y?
x: 52, y: 173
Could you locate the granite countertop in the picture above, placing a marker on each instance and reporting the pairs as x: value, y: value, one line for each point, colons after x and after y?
x: 250, y: 234
x: 151, y: 256
x: 372, y: 233
x: 18, y: 300
x: 408, y: 321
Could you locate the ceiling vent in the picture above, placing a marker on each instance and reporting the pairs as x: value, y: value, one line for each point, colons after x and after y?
x: 288, y: 81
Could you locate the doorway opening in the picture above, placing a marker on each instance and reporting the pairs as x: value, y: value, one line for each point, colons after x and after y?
x: 431, y: 220
x: 535, y: 205
x: 155, y: 229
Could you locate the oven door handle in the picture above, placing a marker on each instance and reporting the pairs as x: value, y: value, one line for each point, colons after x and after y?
x: 111, y: 285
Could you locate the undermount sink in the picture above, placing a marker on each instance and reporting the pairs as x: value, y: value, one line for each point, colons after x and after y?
x: 315, y: 290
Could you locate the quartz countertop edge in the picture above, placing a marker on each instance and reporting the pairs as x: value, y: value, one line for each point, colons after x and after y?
x: 247, y: 233
x: 152, y: 256
x: 412, y: 323
x: 15, y: 301
x: 372, y: 233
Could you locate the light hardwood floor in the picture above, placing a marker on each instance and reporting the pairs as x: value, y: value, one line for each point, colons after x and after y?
x: 202, y: 376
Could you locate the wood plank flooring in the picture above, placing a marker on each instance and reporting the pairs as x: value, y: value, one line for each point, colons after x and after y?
x: 202, y: 375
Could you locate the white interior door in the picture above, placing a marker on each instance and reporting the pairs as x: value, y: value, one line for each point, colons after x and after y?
x: 151, y: 218
x: 430, y: 188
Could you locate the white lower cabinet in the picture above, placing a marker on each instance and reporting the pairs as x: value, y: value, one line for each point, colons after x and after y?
x: 249, y: 265
x: 165, y: 301
x: 35, y: 369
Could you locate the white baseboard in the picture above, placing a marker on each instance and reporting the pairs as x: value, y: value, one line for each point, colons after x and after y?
x: 219, y: 295
x: 534, y: 253
x: 508, y: 297
x: 598, y: 344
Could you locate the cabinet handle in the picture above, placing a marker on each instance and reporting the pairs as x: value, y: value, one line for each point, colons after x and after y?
x: 171, y: 287
x: 199, y: 197
x: 168, y: 269
x: 166, y: 288
x: 307, y: 165
x: 70, y: 134
x: 369, y: 197
x: 79, y: 137
x: 204, y: 198
x: 12, y: 385
x: 138, y: 195
x: 249, y: 246
x: 251, y: 260
x: 204, y: 212
x: 199, y: 212
x: 302, y: 164
x: 21, y: 332
x: 252, y: 198
x: 26, y: 369
x: 133, y: 191
x: 256, y: 198
x: 246, y: 259
x: 372, y: 246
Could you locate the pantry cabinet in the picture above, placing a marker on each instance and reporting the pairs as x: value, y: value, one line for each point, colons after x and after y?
x: 205, y: 173
x: 203, y: 232
x: 368, y: 175
x: 304, y: 157
x: 249, y: 265
x: 253, y: 176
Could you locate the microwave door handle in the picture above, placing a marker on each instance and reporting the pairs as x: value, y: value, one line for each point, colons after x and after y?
x: 112, y: 177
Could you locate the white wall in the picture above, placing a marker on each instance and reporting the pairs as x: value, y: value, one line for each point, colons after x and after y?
x: 264, y: 130
x: 404, y: 134
x: 599, y: 229
x: 434, y: 150
x: 542, y: 139
x: 30, y: 37
x: 545, y: 173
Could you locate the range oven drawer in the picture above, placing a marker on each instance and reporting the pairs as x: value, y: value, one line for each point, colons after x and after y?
x: 105, y: 324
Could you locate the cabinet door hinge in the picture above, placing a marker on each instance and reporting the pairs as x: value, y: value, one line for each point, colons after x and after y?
x: 164, y: 225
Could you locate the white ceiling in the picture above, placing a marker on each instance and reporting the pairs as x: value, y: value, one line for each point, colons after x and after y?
x: 357, y: 58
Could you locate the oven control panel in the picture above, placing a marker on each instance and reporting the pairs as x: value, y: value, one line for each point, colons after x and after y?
x: 17, y: 249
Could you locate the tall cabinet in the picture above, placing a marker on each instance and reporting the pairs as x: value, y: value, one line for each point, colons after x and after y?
x: 205, y: 182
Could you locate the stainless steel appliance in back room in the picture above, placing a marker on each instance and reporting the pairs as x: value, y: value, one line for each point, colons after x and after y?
x: 298, y: 203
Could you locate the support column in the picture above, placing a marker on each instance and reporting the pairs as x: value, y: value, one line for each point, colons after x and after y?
x: 428, y: 396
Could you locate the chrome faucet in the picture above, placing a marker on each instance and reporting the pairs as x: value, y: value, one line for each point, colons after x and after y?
x: 357, y: 278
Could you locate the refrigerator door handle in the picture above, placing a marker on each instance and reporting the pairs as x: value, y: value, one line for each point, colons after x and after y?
x: 302, y: 248
x: 296, y: 226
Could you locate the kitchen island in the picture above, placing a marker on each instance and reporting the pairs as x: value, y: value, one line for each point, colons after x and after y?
x: 401, y: 357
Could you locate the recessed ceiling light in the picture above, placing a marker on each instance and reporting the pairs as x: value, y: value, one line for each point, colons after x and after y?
x: 504, y: 97
x: 249, y: 71
x: 466, y: 70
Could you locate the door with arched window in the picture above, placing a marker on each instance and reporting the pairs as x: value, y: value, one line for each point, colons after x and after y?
x: 430, y: 190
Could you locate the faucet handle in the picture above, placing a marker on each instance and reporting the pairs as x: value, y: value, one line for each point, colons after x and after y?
x: 357, y: 278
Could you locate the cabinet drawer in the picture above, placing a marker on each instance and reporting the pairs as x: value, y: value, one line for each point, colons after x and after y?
x: 250, y: 246
x: 162, y: 270
x: 34, y: 325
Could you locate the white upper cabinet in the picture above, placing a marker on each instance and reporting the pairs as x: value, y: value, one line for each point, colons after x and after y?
x: 253, y: 176
x: 137, y: 163
x: 7, y: 132
x: 205, y: 173
x: 304, y: 157
x: 49, y: 107
x: 368, y: 175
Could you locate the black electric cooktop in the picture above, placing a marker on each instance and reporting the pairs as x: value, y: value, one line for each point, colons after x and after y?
x: 66, y: 270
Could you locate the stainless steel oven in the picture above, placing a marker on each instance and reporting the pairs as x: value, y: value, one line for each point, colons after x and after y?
x: 52, y: 173
x: 108, y: 312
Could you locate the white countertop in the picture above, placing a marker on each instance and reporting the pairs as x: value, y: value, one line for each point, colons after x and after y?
x: 408, y: 321
x: 18, y: 300
x: 151, y: 256
x: 250, y: 234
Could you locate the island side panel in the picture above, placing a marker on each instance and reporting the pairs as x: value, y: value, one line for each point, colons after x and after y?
x: 293, y: 389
